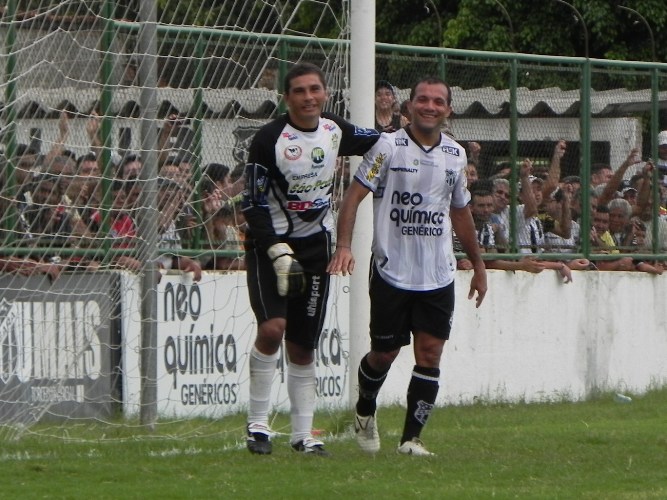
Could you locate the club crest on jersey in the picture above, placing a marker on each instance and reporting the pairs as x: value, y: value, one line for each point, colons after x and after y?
x: 375, y: 169
x: 401, y: 141
x: 451, y: 150
x: 292, y: 152
x: 450, y: 177
x: 317, y: 155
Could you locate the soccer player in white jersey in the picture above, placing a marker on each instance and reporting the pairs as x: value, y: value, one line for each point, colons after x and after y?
x: 287, y: 205
x: 419, y: 191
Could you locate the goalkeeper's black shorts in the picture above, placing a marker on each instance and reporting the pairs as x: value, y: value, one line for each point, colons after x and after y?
x: 304, y: 314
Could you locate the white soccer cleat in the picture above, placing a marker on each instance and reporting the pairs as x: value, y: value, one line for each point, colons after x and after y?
x: 366, y: 430
x: 414, y: 447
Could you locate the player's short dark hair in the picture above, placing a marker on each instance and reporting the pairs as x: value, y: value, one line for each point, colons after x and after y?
x: 302, y: 69
x: 432, y: 80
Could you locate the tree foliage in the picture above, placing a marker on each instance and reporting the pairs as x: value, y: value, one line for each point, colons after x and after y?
x: 546, y: 27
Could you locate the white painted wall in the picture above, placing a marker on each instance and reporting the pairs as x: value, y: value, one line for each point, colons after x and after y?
x: 536, y: 339
x: 533, y: 339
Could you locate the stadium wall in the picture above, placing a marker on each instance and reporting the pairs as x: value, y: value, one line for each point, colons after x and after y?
x: 533, y: 339
x: 65, y: 354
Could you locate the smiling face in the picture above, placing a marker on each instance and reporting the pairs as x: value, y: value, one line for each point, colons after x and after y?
x: 305, y: 99
x: 429, y: 108
x: 384, y: 99
x: 601, y: 221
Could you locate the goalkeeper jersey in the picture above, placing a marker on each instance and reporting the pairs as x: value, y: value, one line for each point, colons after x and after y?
x: 290, y: 176
x: 413, y: 188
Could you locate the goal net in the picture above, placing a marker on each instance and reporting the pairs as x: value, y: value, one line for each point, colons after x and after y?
x: 106, y: 131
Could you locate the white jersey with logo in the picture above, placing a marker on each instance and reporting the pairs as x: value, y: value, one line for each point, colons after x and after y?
x: 413, y: 189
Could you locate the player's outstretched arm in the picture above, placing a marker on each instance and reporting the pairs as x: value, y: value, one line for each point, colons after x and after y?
x: 342, y: 261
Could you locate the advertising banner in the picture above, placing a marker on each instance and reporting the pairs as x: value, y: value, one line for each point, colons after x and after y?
x: 205, y: 332
x: 58, y: 349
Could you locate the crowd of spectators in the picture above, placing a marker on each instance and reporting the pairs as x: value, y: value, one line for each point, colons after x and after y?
x: 60, y: 200
x: 545, y: 221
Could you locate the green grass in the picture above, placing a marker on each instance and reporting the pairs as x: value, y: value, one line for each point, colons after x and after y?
x: 598, y: 449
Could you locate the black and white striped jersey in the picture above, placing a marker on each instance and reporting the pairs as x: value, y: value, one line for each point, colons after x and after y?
x: 290, y: 176
x: 413, y: 189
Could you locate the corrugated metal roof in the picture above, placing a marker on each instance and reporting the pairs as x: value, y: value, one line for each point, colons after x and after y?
x: 261, y: 103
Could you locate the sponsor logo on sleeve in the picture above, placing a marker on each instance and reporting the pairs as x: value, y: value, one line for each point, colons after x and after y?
x: 261, y: 184
x: 365, y: 132
x: 375, y: 169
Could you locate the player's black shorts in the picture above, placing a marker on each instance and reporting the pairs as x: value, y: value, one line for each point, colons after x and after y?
x: 395, y: 313
x: 304, y: 314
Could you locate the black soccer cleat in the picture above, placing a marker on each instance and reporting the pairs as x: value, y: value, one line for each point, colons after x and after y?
x: 259, y: 439
x: 310, y: 446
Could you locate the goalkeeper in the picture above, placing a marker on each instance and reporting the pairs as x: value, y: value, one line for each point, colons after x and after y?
x: 287, y: 206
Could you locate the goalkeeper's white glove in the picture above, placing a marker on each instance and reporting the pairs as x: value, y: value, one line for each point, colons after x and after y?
x: 291, y: 280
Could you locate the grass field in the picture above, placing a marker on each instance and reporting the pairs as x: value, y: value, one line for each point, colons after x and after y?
x: 598, y: 449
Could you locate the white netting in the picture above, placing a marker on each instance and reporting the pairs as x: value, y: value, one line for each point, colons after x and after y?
x: 75, y: 190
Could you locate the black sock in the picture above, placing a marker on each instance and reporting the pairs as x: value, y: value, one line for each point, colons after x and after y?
x: 422, y: 391
x: 370, y: 382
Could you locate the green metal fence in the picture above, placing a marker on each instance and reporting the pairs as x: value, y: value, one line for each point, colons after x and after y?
x: 513, y: 105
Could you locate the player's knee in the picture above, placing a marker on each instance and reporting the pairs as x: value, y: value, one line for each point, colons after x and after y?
x: 382, y: 361
x: 270, y: 334
x: 428, y: 351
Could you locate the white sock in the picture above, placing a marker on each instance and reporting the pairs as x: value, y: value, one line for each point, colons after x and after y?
x: 262, y: 369
x: 301, y: 391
